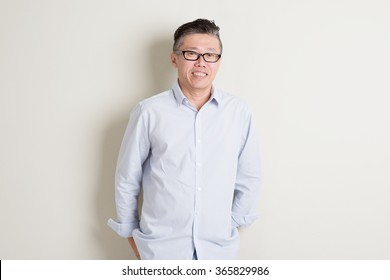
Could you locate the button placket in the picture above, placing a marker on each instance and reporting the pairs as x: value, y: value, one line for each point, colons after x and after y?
x: 198, y: 173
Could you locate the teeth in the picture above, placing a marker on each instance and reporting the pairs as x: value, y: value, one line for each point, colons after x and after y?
x: 199, y: 74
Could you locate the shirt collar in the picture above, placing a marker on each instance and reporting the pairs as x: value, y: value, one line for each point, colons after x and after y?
x: 180, y: 97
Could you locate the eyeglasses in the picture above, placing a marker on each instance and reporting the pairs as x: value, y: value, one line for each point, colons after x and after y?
x: 194, y: 56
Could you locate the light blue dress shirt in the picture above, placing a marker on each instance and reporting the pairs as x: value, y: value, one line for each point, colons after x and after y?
x: 199, y: 172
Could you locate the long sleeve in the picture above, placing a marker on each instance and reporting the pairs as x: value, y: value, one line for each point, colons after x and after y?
x: 128, y: 177
x: 248, y: 178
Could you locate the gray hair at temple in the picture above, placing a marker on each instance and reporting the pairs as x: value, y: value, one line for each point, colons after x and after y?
x: 199, y: 26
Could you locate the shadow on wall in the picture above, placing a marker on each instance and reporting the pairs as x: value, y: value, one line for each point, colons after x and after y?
x: 161, y: 75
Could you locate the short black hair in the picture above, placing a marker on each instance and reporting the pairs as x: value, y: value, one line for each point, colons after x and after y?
x: 199, y: 26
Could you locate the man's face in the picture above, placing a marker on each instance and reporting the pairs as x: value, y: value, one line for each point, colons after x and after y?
x: 197, y: 75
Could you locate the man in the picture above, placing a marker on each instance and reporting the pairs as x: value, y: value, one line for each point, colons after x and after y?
x: 193, y: 150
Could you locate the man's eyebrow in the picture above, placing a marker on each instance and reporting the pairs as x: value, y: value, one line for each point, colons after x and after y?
x: 197, y: 49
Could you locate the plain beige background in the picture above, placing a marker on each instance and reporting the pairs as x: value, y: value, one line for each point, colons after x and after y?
x: 316, y: 73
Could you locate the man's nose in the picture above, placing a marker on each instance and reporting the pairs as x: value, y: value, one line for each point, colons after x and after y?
x: 200, y: 61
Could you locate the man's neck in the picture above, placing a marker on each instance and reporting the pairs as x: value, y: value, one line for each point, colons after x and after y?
x: 197, y: 97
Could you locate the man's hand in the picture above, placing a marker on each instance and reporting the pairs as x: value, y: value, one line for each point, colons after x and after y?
x: 134, y: 247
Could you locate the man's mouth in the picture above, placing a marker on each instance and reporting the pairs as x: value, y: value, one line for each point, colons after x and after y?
x: 199, y: 74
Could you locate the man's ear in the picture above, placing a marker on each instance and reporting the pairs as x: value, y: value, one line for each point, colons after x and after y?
x: 173, y: 60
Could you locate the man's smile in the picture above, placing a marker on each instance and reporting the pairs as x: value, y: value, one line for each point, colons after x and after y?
x: 199, y: 74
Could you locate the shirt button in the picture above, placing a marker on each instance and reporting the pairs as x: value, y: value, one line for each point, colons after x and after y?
x: 198, y: 141
x: 199, y: 164
x: 199, y: 189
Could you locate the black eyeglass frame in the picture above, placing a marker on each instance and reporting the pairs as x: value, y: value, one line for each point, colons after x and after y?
x: 199, y: 55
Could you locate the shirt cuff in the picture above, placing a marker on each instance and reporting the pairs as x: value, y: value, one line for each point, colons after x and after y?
x: 243, y: 221
x: 124, y: 230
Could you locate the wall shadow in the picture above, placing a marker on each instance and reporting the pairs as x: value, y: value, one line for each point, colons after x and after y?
x: 162, y: 75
